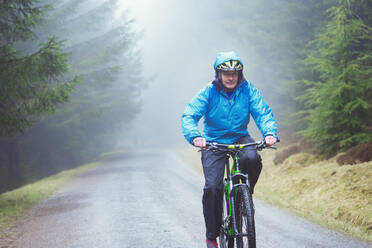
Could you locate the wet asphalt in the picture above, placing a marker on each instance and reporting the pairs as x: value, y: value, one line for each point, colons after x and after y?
x: 149, y: 199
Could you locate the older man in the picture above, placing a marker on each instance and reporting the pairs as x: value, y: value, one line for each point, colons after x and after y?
x: 226, y: 105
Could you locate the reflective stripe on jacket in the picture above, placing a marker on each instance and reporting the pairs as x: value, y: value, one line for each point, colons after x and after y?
x: 226, y: 119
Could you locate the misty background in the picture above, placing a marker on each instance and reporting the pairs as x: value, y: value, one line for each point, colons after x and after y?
x: 83, y: 78
x: 179, y: 45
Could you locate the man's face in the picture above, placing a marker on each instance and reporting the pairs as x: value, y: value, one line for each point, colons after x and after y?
x: 229, y: 79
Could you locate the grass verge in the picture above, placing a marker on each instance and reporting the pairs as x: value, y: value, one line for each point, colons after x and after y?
x: 339, y: 197
x: 17, y: 202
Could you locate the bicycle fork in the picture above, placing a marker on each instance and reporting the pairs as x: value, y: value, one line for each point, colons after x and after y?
x: 232, y: 187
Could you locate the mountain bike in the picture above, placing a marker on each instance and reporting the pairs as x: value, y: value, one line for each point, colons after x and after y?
x: 238, y: 226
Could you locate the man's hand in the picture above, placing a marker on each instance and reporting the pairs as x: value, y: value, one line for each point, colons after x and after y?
x: 270, y: 140
x: 199, y: 142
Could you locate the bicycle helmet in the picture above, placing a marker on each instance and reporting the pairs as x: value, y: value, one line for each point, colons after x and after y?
x: 228, y: 61
x: 231, y: 65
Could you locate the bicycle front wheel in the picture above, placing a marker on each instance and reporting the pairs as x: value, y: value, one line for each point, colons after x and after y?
x: 245, y: 219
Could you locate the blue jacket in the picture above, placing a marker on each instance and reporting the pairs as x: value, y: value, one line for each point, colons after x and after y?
x: 226, y: 118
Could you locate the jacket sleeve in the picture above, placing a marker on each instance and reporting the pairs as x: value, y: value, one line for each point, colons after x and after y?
x: 261, y: 113
x: 195, y: 109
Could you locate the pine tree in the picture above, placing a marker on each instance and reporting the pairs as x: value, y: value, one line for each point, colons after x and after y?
x: 101, y: 48
x: 31, y: 84
x: 338, y: 111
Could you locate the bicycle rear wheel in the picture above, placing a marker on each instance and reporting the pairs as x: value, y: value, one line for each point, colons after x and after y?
x: 245, y: 219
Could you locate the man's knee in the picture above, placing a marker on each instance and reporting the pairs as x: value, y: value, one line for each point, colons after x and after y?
x: 213, y: 168
x: 251, y: 157
x: 213, y: 188
x: 212, y: 194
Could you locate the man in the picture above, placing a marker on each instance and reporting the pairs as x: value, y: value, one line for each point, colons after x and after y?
x: 226, y: 105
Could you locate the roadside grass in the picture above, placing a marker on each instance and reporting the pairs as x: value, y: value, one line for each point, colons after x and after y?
x: 15, y: 203
x: 338, y: 197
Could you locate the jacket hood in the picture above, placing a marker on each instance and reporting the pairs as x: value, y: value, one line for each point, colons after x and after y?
x: 222, y: 57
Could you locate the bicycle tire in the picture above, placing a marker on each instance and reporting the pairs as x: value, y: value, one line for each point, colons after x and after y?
x: 245, y: 218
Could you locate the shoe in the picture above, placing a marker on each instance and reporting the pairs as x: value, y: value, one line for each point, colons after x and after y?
x: 211, y: 243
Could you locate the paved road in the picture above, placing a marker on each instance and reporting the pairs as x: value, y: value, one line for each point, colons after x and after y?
x: 148, y: 200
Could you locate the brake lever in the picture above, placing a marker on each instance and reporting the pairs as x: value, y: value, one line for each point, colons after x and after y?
x: 264, y: 146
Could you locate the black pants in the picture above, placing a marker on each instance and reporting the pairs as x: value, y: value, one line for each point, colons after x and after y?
x: 214, y: 168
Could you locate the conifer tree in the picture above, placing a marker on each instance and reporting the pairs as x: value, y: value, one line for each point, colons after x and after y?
x: 338, y: 111
x: 31, y: 84
x: 102, y: 46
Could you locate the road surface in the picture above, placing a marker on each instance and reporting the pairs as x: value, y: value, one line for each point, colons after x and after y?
x: 150, y: 199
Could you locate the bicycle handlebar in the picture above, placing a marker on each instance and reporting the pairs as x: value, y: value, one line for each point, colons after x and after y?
x: 259, y: 145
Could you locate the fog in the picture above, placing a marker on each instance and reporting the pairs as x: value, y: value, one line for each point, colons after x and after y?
x: 179, y: 44
x: 86, y: 78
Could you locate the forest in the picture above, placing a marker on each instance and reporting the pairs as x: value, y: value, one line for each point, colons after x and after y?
x: 61, y: 81
x: 67, y: 73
